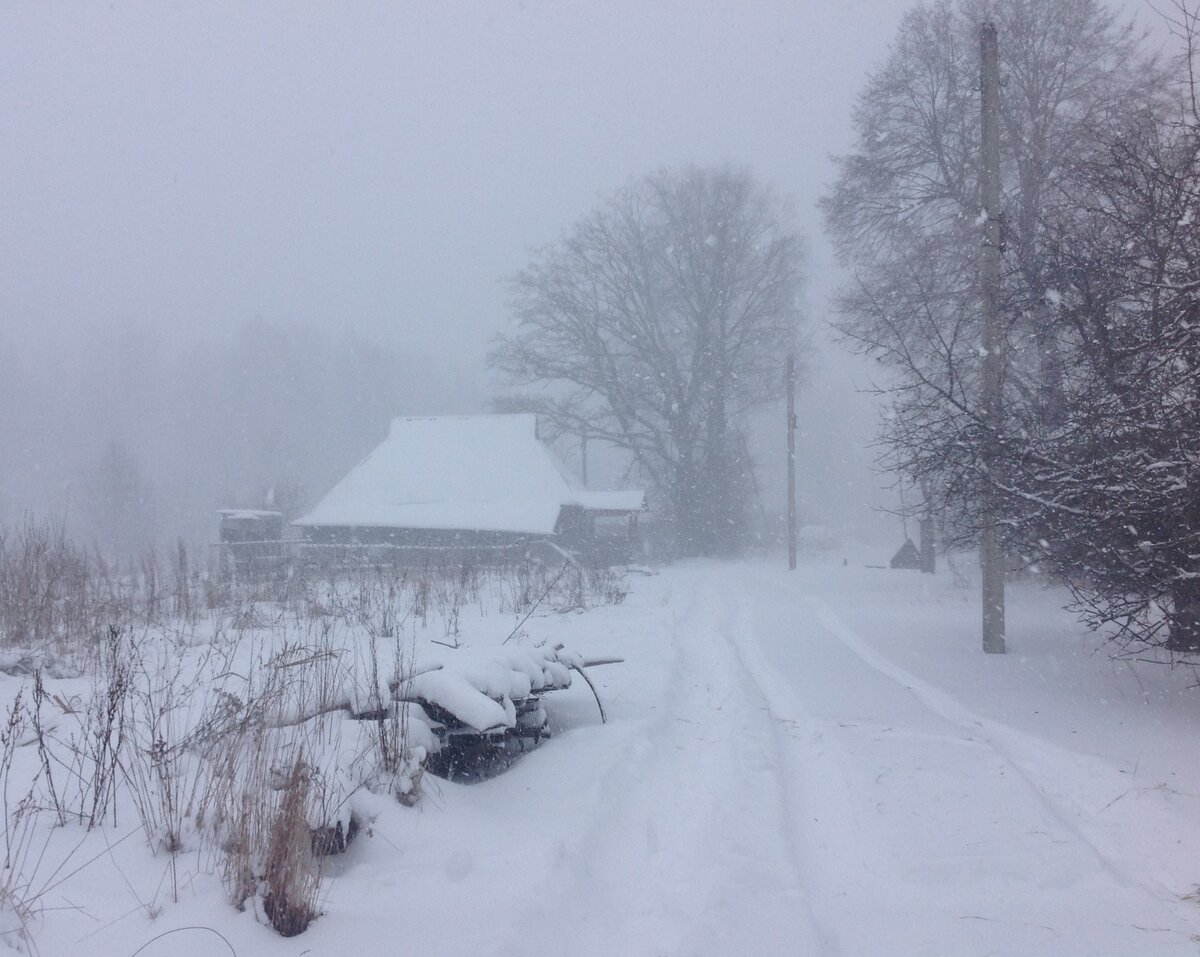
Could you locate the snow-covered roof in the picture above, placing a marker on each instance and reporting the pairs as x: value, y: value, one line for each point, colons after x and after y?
x: 468, y: 472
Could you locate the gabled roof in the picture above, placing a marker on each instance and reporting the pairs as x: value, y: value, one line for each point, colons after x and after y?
x: 468, y: 472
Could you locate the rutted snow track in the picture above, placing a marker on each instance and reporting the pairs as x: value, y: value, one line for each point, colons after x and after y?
x: 1007, y: 743
x: 772, y: 782
x: 930, y: 818
x: 690, y: 850
x: 794, y: 791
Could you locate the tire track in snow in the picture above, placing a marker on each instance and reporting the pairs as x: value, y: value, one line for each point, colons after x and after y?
x: 758, y: 678
x: 685, y: 847
x: 1021, y: 752
x: 1003, y: 740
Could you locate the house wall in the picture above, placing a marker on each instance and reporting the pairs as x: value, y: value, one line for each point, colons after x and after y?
x: 599, y: 538
x: 575, y: 527
x: 576, y: 531
x: 408, y: 546
x: 411, y: 537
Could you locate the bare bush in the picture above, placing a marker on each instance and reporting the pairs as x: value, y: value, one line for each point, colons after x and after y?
x: 18, y: 896
x: 53, y: 599
x: 105, y: 730
x: 21, y: 886
x: 162, y: 774
x: 290, y: 877
x: 272, y: 751
x: 396, y: 768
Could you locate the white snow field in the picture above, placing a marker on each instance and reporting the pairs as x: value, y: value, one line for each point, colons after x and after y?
x: 818, y: 762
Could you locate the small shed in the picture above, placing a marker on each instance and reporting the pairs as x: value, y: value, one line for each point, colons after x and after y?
x: 250, y: 537
x: 907, y: 556
x: 481, y: 483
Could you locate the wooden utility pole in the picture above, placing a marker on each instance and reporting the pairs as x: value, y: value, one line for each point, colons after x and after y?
x: 991, y: 555
x: 791, y: 459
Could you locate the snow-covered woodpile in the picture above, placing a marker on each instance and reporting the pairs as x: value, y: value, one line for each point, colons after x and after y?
x: 481, y: 705
x: 457, y: 712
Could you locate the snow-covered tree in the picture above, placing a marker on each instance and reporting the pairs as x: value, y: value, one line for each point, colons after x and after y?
x: 1099, y: 469
x: 904, y: 214
x: 1111, y: 496
x: 655, y: 324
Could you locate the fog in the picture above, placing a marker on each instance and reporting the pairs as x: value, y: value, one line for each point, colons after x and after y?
x: 236, y: 239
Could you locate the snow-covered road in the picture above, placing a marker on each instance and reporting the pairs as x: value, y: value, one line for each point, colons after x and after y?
x: 789, y: 788
x: 810, y: 763
x: 930, y: 829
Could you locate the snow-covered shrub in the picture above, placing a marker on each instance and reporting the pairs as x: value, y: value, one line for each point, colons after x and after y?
x: 286, y: 757
x: 258, y: 809
x: 392, y: 762
x: 85, y: 740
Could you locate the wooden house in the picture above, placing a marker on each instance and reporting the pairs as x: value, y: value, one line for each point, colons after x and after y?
x: 479, y: 483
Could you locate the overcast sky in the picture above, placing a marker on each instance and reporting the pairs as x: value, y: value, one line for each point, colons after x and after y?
x: 381, y: 167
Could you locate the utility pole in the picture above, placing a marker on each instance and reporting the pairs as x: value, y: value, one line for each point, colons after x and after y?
x: 991, y: 555
x: 925, y: 528
x: 583, y: 455
x: 791, y: 459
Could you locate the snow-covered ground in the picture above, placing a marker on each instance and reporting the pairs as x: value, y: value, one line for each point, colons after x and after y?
x: 818, y: 762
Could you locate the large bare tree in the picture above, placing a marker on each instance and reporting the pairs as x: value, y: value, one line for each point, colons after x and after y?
x: 658, y: 320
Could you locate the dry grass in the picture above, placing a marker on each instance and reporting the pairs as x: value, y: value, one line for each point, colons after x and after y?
x: 218, y: 709
x: 291, y: 880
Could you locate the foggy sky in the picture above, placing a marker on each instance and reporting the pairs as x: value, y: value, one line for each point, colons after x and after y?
x: 379, y: 168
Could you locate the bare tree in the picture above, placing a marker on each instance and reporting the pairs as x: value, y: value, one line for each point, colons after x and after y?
x: 120, y: 503
x: 905, y: 209
x: 655, y: 324
x: 1110, y: 498
x: 1096, y: 466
